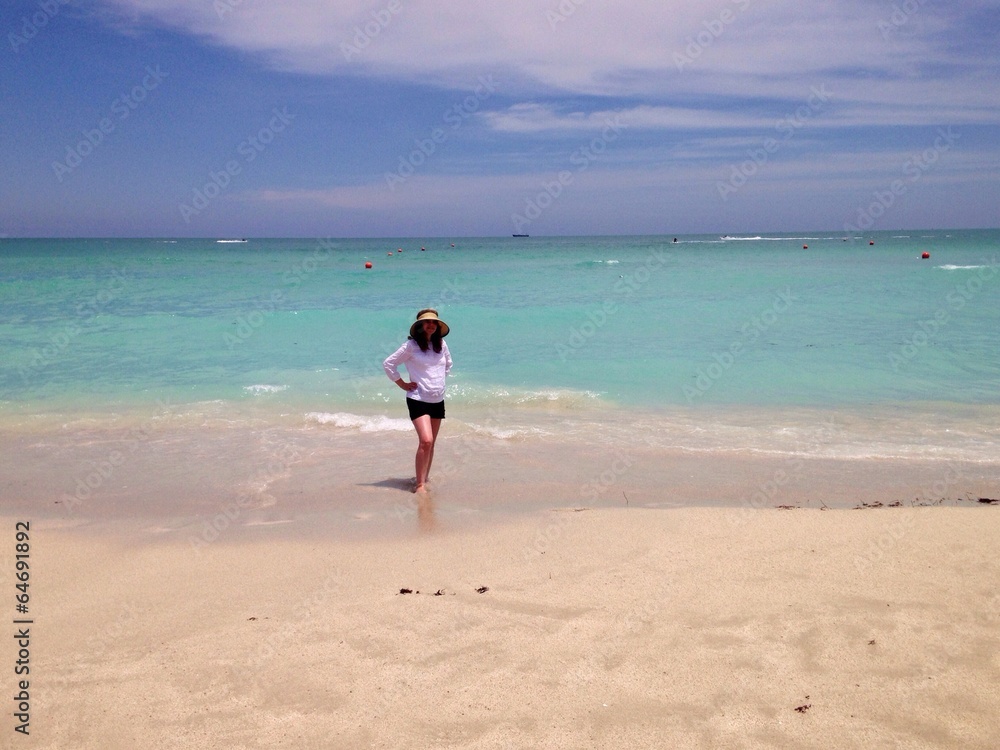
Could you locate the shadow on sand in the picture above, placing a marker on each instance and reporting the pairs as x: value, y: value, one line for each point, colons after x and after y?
x: 393, y: 484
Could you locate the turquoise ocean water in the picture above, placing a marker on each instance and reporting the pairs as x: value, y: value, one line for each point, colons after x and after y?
x: 644, y: 322
x: 707, y: 343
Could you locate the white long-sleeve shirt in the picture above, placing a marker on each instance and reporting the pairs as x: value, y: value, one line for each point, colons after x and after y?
x: 426, y: 369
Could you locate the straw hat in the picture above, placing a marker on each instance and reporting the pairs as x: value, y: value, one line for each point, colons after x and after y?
x: 429, y: 313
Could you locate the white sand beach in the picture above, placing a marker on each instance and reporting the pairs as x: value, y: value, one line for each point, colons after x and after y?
x: 570, y: 628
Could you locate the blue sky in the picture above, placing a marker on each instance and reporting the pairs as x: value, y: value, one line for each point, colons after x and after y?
x: 554, y: 117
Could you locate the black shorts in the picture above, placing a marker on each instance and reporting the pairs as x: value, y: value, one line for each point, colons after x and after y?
x: 420, y: 408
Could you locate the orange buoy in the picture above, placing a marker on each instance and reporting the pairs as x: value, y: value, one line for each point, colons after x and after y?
x: 368, y: 264
x: 925, y: 255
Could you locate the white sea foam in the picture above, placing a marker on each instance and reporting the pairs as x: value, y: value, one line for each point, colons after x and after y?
x: 500, y: 397
x: 344, y: 420
x: 509, y: 433
x: 260, y: 388
x: 549, y: 396
x: 728, y: 238
x: 959, y: 268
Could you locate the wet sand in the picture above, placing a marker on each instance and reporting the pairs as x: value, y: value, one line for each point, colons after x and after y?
x: 350, y: 481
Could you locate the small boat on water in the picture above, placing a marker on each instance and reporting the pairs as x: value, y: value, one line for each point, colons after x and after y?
x: 519, y: 235
x: 231, y: 240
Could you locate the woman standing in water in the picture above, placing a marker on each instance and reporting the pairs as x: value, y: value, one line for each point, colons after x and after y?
x: 427, y: 361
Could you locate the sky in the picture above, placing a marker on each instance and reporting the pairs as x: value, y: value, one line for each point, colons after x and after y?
x: 410, y: 118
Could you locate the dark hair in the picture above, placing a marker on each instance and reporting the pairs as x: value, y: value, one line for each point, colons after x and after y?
x: 421, y: 338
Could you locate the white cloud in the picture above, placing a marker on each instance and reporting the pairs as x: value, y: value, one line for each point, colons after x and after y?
x: 645, y: 48
x: 535, y: 118
x: 818, y: 107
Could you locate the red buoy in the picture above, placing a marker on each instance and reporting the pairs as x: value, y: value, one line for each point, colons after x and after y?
x: 925, y: 255
x: 871, y: 242
x: 805, y: 247
x: 368, y: 264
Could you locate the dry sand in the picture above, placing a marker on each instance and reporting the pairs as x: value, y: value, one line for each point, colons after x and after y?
x: 678, y: 628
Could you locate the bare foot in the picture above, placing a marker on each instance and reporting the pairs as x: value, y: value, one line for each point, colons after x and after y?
x: 420, y: 489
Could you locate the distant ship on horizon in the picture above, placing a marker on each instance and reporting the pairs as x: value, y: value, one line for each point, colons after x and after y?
x: 519, y: 235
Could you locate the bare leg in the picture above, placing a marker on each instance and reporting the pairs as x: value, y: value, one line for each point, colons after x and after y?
x: 425, y: 450
x: 435, y: 428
